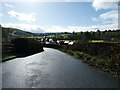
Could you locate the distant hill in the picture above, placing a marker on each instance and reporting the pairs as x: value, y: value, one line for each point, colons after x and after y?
x: 11, y: 33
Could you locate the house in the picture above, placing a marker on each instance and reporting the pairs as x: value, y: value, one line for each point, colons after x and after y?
x: 66, y: 42
x: 70, y: 43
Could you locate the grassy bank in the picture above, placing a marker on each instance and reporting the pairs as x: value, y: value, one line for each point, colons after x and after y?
x: 8, y: 56
x: 108, y: 60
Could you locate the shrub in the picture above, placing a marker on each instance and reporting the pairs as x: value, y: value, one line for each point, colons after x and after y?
x: 87, y: 57
x: 93, y: 61
x: 56, y: 46
x: 79, y: 55
x: 26, y: 46
x: 100, y: 63
x: 70, y: 52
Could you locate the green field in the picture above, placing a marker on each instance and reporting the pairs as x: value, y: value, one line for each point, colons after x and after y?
x: 96, y: 41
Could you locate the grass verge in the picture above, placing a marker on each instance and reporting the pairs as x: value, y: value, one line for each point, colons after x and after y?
x: 8, y: 56
x: 98, y: 62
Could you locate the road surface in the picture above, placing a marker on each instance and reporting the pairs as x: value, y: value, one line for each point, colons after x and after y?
x: 53, y: 69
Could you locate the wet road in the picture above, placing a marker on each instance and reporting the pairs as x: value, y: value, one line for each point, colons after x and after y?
x: 53, y: 69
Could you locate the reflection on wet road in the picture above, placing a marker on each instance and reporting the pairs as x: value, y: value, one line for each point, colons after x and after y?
x: 53, y: 69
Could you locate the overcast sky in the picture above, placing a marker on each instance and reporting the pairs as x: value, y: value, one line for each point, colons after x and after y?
x: 66, y: 16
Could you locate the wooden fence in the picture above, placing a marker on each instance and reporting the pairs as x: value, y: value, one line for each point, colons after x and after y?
x: 7, y: 48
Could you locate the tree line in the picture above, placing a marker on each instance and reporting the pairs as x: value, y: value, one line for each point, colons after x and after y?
x: 107, y: 35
